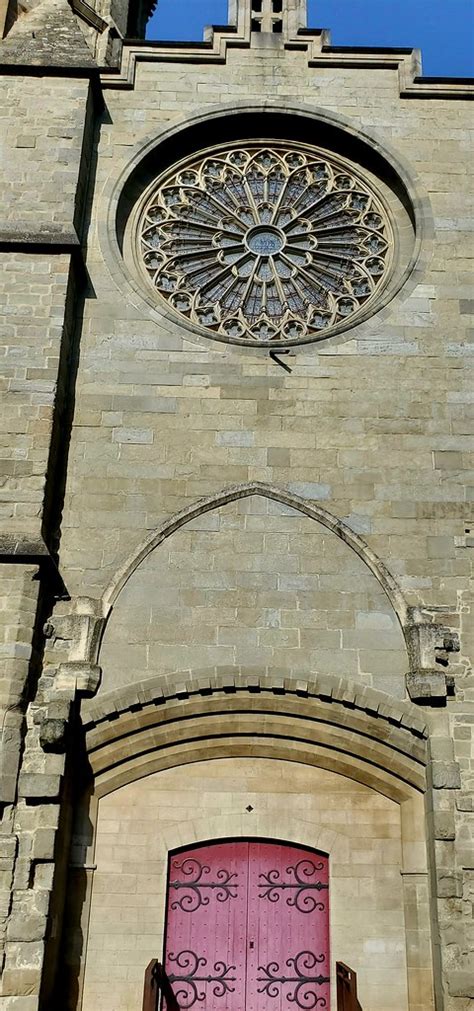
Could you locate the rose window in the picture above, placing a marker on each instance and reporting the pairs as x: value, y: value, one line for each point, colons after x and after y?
x: 266, y: 245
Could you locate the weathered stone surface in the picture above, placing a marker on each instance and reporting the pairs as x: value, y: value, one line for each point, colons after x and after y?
x: 446, y: 775
x: 25, y: 926
x: 448, y: 885
x: 47, y: 35
x: 20, y: 982
x: 461, y: 984
x: 465, y: 801
x: 444, y: 827
x: 44, y: 843
x: 53, y: 735
x: 426, y: 686
x: 37, y: 785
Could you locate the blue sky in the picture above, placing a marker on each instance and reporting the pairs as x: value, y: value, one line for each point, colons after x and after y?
x: 443, y: 29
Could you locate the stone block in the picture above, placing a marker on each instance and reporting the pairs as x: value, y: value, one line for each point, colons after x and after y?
x: 448, y: 884
x: 20, y: 982
x: 135, y: 436
x: 37, y: 785
x: 465, y: 801
x: 461, y: 984
x: 78, y: 676
x: 447, y: 460
x: 8, y: 847
x: 310, y: 490
x: 26, y: 926
x: 442, y: 749
x: 19, y: 1003
x: 278, y: 457
x: 446, y: 775
x: 43, y: 844
x: 22, y: 877
x: 444, y: 827
x: 426, y: 686
x: 440, y: 546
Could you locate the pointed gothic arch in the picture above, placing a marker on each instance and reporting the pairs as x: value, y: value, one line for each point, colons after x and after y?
x: 277, y: 494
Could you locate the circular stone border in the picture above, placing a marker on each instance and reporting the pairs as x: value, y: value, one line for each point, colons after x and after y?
x: 190, y: 236
x: 402, y: 284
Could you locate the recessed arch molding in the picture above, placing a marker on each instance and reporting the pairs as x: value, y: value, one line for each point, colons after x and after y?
x: 85, y: 621
x: 231, y: 494
x: 323, y: 720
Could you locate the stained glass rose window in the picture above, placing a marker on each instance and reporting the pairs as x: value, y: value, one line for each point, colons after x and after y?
x: 266, y: 244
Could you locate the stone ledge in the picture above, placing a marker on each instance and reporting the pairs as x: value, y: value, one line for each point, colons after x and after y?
x: 22, y: 546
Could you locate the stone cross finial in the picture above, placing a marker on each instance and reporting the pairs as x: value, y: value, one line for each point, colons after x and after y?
x: 267, y: 15
x: 278, y: 17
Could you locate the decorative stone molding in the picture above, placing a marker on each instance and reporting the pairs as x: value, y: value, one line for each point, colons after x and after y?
x: 329, y: 689
x: 325, y: 721
x: 275, y: 270
x: 316, y: 42
x: 77, y: 630
x: 54, y: 727
x: 427, y: 686
x: 282, y: 495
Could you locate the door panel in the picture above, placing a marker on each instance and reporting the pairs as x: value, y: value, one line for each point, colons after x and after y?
x: 207, y: 927
x: 288, y: 929
x: 248, y: 928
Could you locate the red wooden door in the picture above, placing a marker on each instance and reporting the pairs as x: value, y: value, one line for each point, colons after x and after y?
x: 248, y: 928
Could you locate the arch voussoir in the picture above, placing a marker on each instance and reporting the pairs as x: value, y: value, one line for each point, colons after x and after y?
x: 363, y: 733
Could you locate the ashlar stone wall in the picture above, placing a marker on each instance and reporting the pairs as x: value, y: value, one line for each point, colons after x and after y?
x: 375, y: 426
x: 254, y: 584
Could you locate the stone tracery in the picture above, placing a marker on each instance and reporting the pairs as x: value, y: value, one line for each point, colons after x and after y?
x: 266, y: 244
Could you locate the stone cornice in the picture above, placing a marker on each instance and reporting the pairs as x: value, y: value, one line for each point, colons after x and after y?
x: 316, y: 42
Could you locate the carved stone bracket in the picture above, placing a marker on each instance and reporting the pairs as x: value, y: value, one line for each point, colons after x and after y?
x: 78, y: 677
x: 431, y: 645
x: 427, y: 686
x: 77, y: 630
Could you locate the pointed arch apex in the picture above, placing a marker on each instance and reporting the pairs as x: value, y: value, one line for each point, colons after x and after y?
x: 284, y: 496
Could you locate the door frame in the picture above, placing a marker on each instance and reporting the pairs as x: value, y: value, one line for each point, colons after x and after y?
x: 203, y: 843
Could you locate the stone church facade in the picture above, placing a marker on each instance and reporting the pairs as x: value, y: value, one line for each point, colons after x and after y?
x: 236, y: 546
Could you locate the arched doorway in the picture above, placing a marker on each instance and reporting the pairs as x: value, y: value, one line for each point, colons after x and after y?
x: 375, y: 842
x: 247, y: 923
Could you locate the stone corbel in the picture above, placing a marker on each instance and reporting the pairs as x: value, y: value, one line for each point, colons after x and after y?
x: 71, y: 669
x: 72, y: 680
x: 77, y: 678
x: 430, y: 645
x: 77, y: 630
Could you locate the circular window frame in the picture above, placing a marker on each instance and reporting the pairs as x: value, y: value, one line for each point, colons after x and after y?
x: 377, y: 159
x: 367, y: 180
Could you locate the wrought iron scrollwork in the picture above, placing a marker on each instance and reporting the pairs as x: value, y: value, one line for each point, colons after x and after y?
x: 303, y: 976
x: 195, y: 885
x: 192, y: 981
x: 301, y: 887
